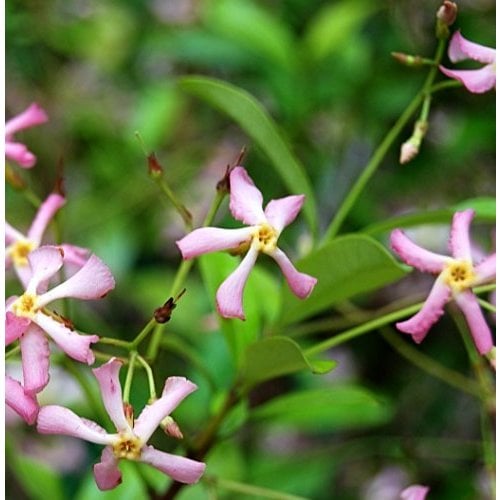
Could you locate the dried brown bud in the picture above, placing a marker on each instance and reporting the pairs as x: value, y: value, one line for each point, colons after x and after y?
x: 155, y: 170
x: 163, y: 314
x: 223, y: 185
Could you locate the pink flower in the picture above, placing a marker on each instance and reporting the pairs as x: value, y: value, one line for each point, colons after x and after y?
x: 475, y: 80
x: 33, y: 115
x: 19, y: 245
x: 415, y: 492
x: 130, y: 439
x: 27, y: 319
x: 261, y: 236
x: 456, y: 276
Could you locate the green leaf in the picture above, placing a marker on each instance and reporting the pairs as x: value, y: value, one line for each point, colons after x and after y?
x: 252, y: 27
x: 326, y: 409
x: 277, y: 356
x: 485, y: 208
x: 39, y: 480
x: 260, y: 300
x: 335, y: 24
x: 345, y: 267
x: 253, y: 118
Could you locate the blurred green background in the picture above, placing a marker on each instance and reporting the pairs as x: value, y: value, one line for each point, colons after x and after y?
x: 104, y: 70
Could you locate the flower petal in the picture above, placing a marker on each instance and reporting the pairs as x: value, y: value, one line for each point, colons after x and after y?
x: 93, y: 281
x: 75, y: 255
x: 31, y: 116
x: 174, y: 391
x: 229, y: 297
x: 106, y: 472
x: 45, y: 262
x: 281, y: 212
x: 476, y: 81
x: 459, y: 242
x: 478, y: 327
x: 35, y: 355
x: 433, y: 309
x: 415, y: 492
x: 20, y: 154
x: 300, y: 284
x: 416, y: 256
x: 460, y: 49
x: 23, y: 404
x: 44, y: 215
x: 15, y: 326
x: 72, y: 343
x: 11, y: 234
x: 111, y: 392
x: 178, y: 468
x: 212, y: 239
x: 245, y: 201
x: 486, y: 270
x: 54, y: 419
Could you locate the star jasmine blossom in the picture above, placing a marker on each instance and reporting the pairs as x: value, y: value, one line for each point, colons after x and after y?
x: 415, y: 492
x: 33, y: 115
x: 456, y: 276
x: 475, y: 80
x: 19, y: 245
x: 131, y: 437
x: 261, y: 236
x: 28, y: 320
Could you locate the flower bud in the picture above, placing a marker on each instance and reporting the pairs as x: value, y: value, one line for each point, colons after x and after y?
x: 408, y: 152
x: 445, y: 17
x: 411, y: 147
x: 407, y: 60
x: 171, y: 428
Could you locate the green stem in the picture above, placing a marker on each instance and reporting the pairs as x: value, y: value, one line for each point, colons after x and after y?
x: 183, y: 211
x: 445, y: 85
x: 142, y: 334
x: 486, y: 305
x: 114, y: 342
x: 247, y: 489
x: 180, y: 277
x: 361, y: 329
x: 130, y: 376
x: 428, y: 365
x: 13, y: 351
x: 151, y: 380
x: 384, y: 146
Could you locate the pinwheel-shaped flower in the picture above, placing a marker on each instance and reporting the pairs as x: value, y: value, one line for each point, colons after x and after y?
x: 475, y: 80
x: 456, y: 276
x: 19, y: 245
x: 27, y: 318
x: 415, y: 492
x: 33, y: 115
x: 261, y: 236
x: 130, y: 440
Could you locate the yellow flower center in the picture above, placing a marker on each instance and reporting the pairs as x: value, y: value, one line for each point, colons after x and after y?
x: 128, y: 446
x: 265, y: 237
x: 26, y: 305
x: 20, y: 251
x: 459, y: 275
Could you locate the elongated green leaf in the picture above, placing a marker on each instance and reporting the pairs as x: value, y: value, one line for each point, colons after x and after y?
x: 39, y: 480
x: 485, y: 208
x: 335, y: 24
x: 260, y: 300
x: 277, y: 356
x: 256, y: 122
x: 328, y: 408
x: 345, y: 267
x: 252, y: 27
